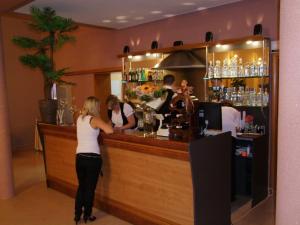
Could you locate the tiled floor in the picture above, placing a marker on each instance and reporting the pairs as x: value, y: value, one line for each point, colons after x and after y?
x: 35, y: 204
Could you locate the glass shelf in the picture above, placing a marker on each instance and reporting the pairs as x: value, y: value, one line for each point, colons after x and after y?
x: 221, y: 78
x: 144, y: 81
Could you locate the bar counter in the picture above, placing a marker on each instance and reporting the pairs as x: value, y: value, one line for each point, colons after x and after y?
x: 145, y: 181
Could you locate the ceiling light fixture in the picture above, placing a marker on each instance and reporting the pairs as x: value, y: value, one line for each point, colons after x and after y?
x: 249, y: 42
x: 169, y: 15
x: 156, y: 12
x: 201, y: 8
x: 148, y: 54
x: 130, y: 57
x: 218, y: 45
x: 121, y: 17
x: 106, y: 21
x: 188, y: 3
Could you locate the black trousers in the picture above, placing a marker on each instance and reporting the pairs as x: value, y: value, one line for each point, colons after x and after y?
x: 88, y: 167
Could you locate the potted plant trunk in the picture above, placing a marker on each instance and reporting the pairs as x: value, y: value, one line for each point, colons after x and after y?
x: 55, y: 32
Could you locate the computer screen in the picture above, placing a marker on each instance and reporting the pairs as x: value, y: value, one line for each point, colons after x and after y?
x: 212, y: 112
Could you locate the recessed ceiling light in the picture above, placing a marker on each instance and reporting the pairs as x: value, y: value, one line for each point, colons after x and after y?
x: 121, y: 17
x: 139, y: 18
x: 156, y: 12
x: 201, y: 8
x: 122, y: 21
x: 188, y: 3
x: 106, y: 21
x: 169, y: 15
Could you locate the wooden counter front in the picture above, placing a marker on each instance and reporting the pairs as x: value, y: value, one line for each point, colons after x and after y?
x: 146, y: 180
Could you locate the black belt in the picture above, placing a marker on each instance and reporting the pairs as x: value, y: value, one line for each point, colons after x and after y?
x: 90, y: 155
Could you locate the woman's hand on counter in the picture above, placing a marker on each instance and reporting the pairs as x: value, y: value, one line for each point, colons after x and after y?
x: 97, y: 122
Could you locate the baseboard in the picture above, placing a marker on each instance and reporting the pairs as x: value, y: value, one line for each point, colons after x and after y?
x: 115, y: 208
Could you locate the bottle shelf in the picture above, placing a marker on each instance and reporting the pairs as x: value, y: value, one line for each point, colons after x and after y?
x: 142, y: 82
x: 221, y: 78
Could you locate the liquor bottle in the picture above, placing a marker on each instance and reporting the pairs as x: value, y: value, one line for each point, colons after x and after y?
x: 253, y: 97
x: 129, y: 75
x: 217, y: 69
x: 252, y: 69
x: 210, y: 70
x: 241, y: 68
x: 263, y: 69
x: 247, y: 70
x: 266, y: 97
x: 240, y: 96
x: 228, y: 94
x: 246, y: 100
x: 233, y: 97
x: 143, y: 75
x: 259, y: 98
x: 225, y: 70
x: 233, y: 68
x: 139, y: 72
x: 124, y: 76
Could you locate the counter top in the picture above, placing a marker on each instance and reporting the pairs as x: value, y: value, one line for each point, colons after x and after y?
x: 131, y: 139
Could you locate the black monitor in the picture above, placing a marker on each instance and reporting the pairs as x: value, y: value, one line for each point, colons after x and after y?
x: 212, y: 112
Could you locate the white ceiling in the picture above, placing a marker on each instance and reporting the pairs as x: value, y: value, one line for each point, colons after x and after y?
x: 120, y: 14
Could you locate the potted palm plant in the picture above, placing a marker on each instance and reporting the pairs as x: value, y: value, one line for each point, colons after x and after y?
x: 55, y: 32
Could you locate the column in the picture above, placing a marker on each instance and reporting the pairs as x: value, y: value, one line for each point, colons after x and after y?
x: 288, y: 168
x: 6, y: 173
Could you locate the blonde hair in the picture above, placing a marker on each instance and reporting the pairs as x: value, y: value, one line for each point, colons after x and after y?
x: 111, y: 101
x: 90, y: 107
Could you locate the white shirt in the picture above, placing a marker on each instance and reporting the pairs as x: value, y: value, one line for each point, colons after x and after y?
x: 116, y: 118
x: 230, y: 119
x: 87, y: 136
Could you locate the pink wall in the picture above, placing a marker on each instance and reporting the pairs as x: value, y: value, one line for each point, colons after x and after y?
x: 288, y: 170
x: 92, y: 50
x: 84, y: 87
x: 6, y: 171
x: 229, y: 21
x: 24, y: 86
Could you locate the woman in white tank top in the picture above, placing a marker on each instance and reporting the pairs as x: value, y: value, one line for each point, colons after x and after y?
x: 88, y: 158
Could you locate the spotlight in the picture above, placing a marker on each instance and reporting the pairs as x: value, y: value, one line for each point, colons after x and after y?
x: 177, y: 43
x: 154, y: 45
x: 126, y: 49
x: 209, y: 36
x: 258, y: 29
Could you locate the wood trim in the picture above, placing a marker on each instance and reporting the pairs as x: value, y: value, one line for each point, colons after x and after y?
x: 274, y: 120
x: 94, y: 71
x: 120, y: 210
x: 195, y: 46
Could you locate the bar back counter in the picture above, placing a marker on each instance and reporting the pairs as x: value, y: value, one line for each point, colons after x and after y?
x: 149, y: 180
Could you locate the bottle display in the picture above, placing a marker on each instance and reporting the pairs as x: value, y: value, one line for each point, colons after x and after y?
x: 142, y: 75
x: 239, y: 96
x: 236, y: 67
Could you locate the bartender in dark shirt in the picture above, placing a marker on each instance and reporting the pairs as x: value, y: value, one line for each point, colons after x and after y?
x: 168, y: 84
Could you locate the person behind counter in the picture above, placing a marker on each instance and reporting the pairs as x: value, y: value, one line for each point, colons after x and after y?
x: 121, y: 114
x: 231, y: 118
x: 168, y: 84
x: 88, y: 158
